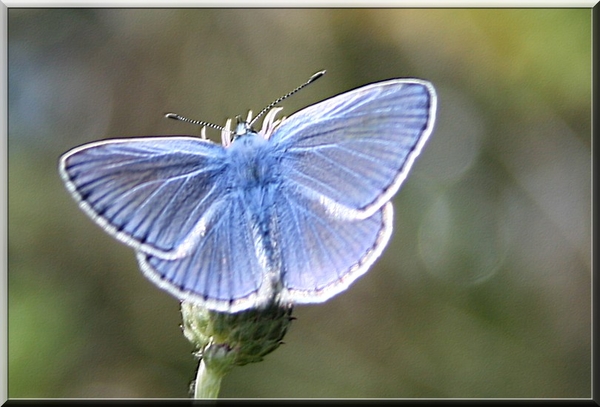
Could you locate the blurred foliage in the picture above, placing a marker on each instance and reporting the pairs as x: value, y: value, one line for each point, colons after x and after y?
x: 485, y: 288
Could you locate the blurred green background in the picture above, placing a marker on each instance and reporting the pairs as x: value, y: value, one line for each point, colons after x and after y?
x: 484, y: 290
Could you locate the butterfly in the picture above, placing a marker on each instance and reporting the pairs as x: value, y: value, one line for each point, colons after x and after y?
x: 292, y: 213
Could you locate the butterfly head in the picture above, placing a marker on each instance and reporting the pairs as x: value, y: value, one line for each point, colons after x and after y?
x: 242, y: 128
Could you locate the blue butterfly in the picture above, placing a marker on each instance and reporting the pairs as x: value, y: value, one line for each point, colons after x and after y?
x: 293, y: 213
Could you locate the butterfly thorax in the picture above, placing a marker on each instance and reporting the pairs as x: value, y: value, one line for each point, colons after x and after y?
x: 253, y: 176
x: 251, y: 162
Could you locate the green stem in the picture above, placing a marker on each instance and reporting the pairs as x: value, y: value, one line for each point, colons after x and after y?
x: 208, y: 382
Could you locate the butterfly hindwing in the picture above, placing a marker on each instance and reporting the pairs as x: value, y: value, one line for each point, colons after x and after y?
x: 223, y: 270
x: 322, y: 255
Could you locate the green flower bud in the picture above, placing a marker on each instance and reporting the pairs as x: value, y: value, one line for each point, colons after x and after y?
x: 224, y: 340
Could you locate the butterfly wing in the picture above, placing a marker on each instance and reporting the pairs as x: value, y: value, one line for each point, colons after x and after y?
x: 153, y: 194
x: 344, y: 158
x: 352, y: 152
x: 322, y: 255
x: 223, y: 272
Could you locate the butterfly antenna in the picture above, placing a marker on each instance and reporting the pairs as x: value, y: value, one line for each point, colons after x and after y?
x: 287, y: 95
x: 175, y: 116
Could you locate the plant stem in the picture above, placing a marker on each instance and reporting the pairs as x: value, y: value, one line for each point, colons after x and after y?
x: 208, y: 382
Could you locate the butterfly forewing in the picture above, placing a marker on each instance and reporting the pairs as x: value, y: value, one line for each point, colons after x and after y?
x: 151, y: 193
x: 354, y: 150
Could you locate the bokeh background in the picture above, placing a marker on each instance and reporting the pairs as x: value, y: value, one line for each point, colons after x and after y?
x: 484, y: 290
